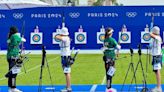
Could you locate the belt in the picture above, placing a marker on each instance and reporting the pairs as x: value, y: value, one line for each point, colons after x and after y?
x: 110, y: 49
x: 157, y: 55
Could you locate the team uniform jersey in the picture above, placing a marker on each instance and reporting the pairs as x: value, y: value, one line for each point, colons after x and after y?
x: 111, y: 44
x: 156, y: 46
x: 65, y: 46
x: 13, y: 46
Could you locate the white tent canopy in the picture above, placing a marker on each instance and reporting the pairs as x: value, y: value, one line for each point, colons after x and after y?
x: 15, y: 4
x: 141, y: 2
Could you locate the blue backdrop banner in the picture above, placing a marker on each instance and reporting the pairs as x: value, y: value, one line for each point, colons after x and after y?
x: 91, y: 19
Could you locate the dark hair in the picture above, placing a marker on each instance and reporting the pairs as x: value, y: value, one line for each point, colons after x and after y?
x: 107, y: 30
x: 13, y: 30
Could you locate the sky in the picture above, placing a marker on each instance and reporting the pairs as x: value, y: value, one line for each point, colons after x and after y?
x: 141, y: 2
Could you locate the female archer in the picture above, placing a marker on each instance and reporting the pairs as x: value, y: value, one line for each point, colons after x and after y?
x: 109, y: 56
x: 13, y: 50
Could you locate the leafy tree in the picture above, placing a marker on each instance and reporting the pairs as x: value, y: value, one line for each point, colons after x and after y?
x: 100, y: 2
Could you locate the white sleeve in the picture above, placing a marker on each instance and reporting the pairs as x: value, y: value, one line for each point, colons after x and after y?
x: 23, y: 39
x: 158, y: 38
x: 118, y: 47
x: 64, y: 39
x: 8, y: 41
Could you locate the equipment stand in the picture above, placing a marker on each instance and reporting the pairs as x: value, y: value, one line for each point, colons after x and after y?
x: 148, y: 57
x: 44, y: 59
x: 131, y: 66
x: 145, y: 89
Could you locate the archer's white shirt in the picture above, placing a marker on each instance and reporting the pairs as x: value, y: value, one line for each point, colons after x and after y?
x: 65, y: 46
x: 156, y: 46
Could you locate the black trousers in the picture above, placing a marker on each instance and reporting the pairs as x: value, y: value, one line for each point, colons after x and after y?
x: 11, y: 77
x: 108, y: 63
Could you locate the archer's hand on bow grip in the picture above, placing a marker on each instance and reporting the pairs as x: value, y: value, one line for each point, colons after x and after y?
x: 23, y: 39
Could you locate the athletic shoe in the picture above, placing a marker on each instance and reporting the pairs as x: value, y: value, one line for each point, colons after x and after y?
x: 66, y: 90
x: 69, y: 89
x: 111, y: 90
x: 14, y: 90
x: 156, y: 89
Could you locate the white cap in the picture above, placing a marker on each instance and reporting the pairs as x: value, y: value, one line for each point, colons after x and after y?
x: 156, y: 30
x: 64, y: 31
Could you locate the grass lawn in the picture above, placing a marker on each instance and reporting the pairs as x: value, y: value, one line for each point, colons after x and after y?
x: 88, y: 69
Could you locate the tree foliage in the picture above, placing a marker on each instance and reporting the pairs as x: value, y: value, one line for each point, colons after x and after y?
x: 100, y: 2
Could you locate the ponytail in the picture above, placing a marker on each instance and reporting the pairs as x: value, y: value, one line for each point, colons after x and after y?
x: 108, y: 32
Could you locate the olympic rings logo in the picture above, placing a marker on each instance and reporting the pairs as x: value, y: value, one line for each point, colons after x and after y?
x: 18, y: 15
x: 131, y: 14
x: 74, y: 14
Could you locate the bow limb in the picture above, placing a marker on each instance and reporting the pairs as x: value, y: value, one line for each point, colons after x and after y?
x: 119, y: 42
x: 22, y: 36
x: 22, y: 52
x: 152, y: 23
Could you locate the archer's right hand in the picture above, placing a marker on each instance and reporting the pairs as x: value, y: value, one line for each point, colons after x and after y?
x: 23, y: 39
